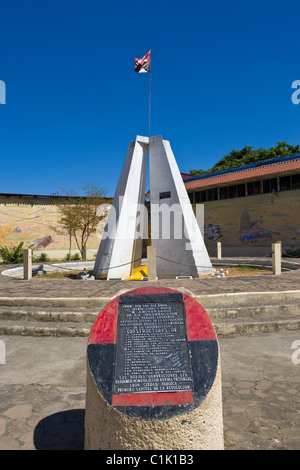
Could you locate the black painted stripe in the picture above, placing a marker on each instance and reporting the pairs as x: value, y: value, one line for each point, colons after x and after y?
x: 204, y: 361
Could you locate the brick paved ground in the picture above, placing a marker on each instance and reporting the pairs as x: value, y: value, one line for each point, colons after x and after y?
x: 257, y: 416
x: 261, y: 393
x: 79, y: 288
x: 44, y: 408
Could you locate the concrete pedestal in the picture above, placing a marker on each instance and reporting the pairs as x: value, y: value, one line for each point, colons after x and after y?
x: 151, y: 263
x: 276, y: 258
x: 108, y: 429
x: 27, y: 261
x: 189, y: 419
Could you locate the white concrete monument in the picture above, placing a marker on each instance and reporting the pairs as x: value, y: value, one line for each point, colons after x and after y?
x: 175, y: 233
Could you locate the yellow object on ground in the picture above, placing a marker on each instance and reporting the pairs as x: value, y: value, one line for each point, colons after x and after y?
x: 138, y: 273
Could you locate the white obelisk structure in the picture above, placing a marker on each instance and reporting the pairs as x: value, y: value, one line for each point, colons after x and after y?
x: 180, y: 249
x: 121, y: 245
x: 175, y: 233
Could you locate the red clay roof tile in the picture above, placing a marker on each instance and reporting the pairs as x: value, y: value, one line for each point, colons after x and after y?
x: 252, y: 173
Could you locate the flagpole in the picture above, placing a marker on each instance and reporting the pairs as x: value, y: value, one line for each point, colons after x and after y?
x: 144, y: 65
x: 150, y: 95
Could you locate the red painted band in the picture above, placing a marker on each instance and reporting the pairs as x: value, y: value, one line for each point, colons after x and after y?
x: 104, y: 329
x: 198, y: 323
x: 153, y: 399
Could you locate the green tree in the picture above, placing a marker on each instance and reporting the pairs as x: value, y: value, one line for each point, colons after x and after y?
x: 247, y: 155
x: 198, y: 172
x: 78, y: 215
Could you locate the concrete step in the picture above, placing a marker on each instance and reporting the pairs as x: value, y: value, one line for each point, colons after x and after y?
x: 64, y: 314
x: 241, y: 313
x: 237, y: 299
x: 223, y: 327
x: 66, y: 329
x: 248, y: 326
x: 56, y: 302
x: 48, y: 314
x: 279, y: 309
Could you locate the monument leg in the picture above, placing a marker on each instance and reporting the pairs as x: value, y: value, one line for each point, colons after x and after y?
x: 116, y: 250
x: 174, y: 229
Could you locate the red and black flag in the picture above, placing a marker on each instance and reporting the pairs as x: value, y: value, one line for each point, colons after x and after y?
x: 143, y: 65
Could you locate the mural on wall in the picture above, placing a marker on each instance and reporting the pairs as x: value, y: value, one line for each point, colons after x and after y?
x: 213, y: 232
x: 252, y: 231
x: 255, y: 220
x: 252, y: 221
x: 31, y: 225
x: 41, y: 242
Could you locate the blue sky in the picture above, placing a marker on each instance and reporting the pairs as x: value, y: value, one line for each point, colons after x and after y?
x: 221, y: 79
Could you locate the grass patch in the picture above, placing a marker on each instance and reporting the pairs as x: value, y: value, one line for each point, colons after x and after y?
x: 58, y: 275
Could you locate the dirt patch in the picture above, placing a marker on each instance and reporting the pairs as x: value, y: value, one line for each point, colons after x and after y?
x: 59, y: 275
x: 241, y: 271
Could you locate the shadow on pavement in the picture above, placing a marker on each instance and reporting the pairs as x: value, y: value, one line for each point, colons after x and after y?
x: 61, y: 431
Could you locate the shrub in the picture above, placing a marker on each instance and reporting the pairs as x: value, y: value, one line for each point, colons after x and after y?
x: 43, y: 257
x: 74, y: 257
x: 293, y: 253
x: 12, y: 254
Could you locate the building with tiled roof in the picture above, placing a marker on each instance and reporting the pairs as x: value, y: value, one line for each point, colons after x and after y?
x: 249, y: 207
x: 277, y: 174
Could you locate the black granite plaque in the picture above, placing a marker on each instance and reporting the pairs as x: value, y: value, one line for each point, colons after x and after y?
x: 165, y: 195
x: 152, y: 353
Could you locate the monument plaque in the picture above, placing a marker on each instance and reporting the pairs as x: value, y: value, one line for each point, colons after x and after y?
x: 153, y: 359
x: 152, y: 353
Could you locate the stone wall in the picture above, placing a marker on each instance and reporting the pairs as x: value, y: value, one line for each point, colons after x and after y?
x: 31, y: 222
